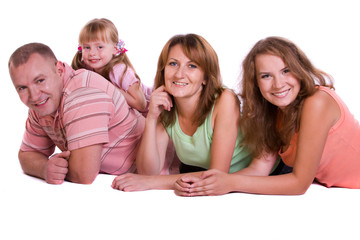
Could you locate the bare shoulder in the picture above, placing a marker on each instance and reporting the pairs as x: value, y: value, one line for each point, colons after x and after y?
x: 322, y: 105
x: 227, y: 105
x: 320, y: 99
x: 227, y: 99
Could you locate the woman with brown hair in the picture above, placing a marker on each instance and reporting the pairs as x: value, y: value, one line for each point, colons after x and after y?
x: 191, y: 108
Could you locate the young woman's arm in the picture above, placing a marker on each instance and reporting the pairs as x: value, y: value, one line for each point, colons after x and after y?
x: 320, y: 112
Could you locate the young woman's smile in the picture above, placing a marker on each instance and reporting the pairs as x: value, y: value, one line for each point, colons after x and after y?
x: 276, y: 82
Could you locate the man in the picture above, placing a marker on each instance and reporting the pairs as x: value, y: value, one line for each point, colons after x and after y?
x: 80, y: 112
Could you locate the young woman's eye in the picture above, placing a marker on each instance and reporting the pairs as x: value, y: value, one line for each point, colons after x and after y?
x: 192, y: 66
x: 286, y: 70
x: 264, y: 76
x: 172, y: 64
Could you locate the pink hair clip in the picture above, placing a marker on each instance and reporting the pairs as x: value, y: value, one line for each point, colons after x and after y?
x: 120, y: 47
x: 79, y: 49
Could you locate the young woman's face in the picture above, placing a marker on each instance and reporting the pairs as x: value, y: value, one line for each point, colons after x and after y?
x: 98, y: 54
x: 183, y: 77
x: 276, y: 83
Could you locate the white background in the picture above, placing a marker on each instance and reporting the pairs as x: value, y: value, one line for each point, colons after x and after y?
x: 327, y: 31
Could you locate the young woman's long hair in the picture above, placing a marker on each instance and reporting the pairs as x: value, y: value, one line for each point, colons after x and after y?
x: 198, y: 50
x: 104, y: 30
x: 265, y: 128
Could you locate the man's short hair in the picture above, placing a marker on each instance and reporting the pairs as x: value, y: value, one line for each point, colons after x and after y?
x: 23, y: 53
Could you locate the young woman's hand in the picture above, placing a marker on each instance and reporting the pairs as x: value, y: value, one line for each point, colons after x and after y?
x: 160, y: 100
x: 211, y: 182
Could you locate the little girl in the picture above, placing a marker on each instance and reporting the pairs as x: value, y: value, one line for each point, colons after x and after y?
x: 101, y: 50
x: 290, y: 108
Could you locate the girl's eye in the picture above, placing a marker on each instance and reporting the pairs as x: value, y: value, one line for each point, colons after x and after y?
x: 87, y: 48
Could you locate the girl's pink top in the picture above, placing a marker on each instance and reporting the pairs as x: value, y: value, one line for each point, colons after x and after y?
x: 128, y: 80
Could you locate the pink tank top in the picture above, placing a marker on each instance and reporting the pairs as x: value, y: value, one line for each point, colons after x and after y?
x: 340, y: 161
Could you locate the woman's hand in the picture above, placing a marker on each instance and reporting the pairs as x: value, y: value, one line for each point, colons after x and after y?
x: 210, y: 183
x: 130, y: 182
x: 160, y: 100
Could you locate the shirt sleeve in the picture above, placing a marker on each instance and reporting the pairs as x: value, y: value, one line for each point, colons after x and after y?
x: 35, y: 139
x: 129, y: 76
x: 86, y: 117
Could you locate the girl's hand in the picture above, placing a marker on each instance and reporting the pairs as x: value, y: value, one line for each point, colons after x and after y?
x: 160, y: 100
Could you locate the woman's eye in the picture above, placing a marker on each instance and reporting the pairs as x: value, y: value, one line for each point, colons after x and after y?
x: 192, y: 66
x: 172, y: 63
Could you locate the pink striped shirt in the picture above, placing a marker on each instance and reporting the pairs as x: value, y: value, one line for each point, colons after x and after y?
x: 92, y: 111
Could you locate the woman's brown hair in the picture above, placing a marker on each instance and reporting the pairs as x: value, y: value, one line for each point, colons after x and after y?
x: 260, y: 121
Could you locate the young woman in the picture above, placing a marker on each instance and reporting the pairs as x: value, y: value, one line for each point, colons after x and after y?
x: 289, y: 108
x: 191, y: 108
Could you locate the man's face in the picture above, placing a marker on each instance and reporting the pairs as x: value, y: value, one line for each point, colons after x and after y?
x: 39, y: 84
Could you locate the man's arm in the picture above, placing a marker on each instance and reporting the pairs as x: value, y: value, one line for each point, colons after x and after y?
x: 84, y: 164
x: 52, y: 170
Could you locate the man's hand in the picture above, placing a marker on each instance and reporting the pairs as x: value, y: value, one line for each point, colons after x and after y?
x: 56, y: 168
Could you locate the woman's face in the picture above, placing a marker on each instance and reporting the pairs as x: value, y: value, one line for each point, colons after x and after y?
x: 276, y: 82
x: 183, y: 77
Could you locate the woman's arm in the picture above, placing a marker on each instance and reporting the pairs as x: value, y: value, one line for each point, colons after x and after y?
x: 226, y: 116
x: 320, y: 112
x: 151, y: 154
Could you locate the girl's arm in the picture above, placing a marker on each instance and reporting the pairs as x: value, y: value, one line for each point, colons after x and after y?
x: 320, y: 112
x: 135, y: 97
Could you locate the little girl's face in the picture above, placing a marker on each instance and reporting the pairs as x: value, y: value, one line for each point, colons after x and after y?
x: 98, y: 54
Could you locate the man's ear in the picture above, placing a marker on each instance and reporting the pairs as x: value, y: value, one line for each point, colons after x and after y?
x: 60, y: 68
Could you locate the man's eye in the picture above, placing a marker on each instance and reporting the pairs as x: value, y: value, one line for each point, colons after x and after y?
x: 21, y: 89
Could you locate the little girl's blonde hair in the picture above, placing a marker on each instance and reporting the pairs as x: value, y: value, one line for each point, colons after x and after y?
x: 104, y: 30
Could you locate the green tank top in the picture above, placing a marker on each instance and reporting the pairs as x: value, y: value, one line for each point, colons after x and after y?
x: 195, y: 150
